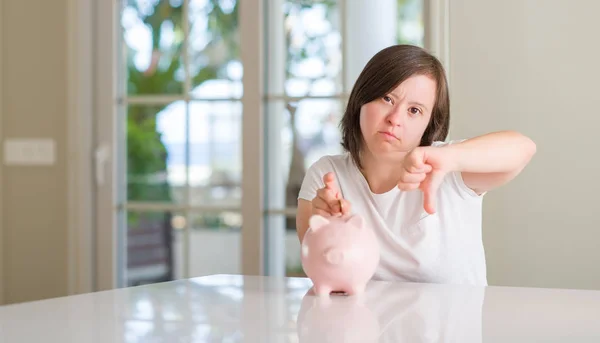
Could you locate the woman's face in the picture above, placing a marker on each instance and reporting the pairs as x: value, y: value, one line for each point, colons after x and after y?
x: 394, y: 124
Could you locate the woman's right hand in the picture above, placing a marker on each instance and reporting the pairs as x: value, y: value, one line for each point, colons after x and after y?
x: 328, y: 201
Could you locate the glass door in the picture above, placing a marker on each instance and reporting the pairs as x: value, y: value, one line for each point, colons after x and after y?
x: 176, y: 140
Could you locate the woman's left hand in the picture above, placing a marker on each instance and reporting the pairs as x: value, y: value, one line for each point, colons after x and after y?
x: 424, y: 168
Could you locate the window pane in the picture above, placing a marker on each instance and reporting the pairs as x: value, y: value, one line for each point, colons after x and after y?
x: 215, y: 243
x: 153, y: 43
x: 299, y: 133
x: 153, y: 247
x: 155, y: 153
x: 293, y: 265
x: 215, y: 66
x: 313, y: 39
x: 410, y: 22
x: 216, y: 153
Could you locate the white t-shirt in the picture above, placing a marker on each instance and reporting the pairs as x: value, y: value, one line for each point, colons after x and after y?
x: 445, y: 247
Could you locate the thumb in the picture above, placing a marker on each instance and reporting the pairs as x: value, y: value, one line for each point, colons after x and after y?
x: 430, y: 188
x: 416, y: 162
x: 426, y: 168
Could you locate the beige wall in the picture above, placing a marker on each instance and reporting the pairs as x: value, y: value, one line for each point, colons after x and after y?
x: 34, y: 104
x: 534, y: 66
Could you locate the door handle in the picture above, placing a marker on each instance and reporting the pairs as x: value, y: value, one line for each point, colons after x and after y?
x: 102, y: 156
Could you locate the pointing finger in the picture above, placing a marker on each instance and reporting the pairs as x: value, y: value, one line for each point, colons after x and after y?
x: 329, y: 181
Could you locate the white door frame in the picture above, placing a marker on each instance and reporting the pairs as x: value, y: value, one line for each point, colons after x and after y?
x: 251, y: 28
x: 94, y: 254
x: 79, y: 144
x: 105, y: 145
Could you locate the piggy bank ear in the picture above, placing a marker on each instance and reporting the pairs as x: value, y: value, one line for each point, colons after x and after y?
x: 356, y: 221
x: 317, y: 221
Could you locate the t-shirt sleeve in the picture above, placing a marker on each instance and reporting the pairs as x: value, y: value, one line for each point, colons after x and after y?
x: 455, y: 179
x: 313, y: 181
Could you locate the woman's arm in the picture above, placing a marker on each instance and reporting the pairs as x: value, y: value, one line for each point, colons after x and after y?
x: 303, y: 214
x: 491, y: 160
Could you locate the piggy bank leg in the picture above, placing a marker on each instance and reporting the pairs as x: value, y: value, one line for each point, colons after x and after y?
x: 322, y: 290
x: 357, y: 290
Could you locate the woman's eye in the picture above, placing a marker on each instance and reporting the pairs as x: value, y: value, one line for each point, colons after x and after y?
x: 415, y: 111
x: 387, y: 99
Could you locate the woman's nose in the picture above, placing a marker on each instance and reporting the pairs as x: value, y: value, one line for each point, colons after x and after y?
x: 394, y: 118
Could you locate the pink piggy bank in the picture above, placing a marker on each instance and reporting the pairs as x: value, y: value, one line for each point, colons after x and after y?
x: 339, y: 254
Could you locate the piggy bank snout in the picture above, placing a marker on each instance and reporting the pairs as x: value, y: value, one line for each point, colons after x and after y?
x: 334, y: 256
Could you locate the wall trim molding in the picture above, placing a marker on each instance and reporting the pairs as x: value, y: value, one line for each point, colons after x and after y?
x: 80, y: 102
x: 437, y: 30
x: 251, y: 21
x: 2, y: 250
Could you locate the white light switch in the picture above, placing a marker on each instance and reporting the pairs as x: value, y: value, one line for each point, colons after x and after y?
x: 29, y: 152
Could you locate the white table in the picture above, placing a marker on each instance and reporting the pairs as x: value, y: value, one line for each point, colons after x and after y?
x: 229, y: 308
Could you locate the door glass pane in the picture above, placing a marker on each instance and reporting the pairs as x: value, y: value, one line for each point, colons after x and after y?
x: 215, y: 243
x: 313, y: 40
x: 216, y: 153
x: 215, y: 66
x: 153, y: 247
x: 302, y: 132
x: 410, y: 22
x: 153, y: 43
x: 156, y: 153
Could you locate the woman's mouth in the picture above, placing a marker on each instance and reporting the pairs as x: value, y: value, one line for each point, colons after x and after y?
x: 388, y: 135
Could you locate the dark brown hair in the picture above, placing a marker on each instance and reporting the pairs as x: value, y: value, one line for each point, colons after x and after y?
x: 384, y: 72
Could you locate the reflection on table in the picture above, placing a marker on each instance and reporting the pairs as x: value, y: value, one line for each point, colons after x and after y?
x: 231, y: 308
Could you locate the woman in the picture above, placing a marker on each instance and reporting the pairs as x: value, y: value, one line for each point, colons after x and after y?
x: 421, y: 196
